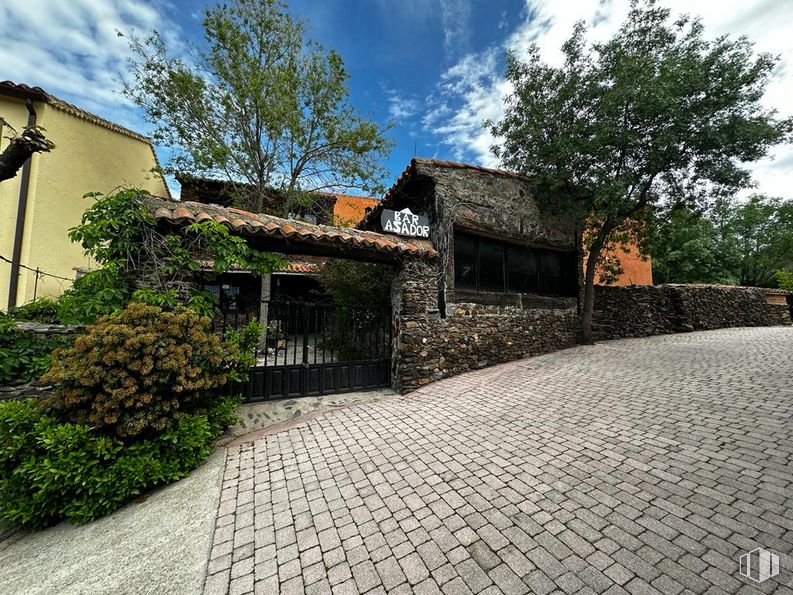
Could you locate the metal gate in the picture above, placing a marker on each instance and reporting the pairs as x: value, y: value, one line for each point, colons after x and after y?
x: 311, y: 349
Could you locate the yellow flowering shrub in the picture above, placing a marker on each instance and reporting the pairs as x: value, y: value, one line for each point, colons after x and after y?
x: 133, y: 373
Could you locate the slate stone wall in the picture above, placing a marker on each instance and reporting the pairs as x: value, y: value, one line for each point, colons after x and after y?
x: 24, y: 390
x: 498, y: 204
x: 428, y: 347
x: 644, y: 310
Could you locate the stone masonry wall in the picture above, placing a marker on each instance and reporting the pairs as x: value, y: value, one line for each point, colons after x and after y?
x: 644, y: 310
x: 24, y: 390
x: 428, y: 347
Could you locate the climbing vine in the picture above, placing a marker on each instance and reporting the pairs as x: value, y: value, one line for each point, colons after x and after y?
x: 142, y: 261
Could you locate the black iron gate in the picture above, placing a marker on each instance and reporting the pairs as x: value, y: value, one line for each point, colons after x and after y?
x: 313, y: 349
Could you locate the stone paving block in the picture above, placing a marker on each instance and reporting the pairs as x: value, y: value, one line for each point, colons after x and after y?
x: 630, y: 482
x: 473, y: 576
x: 539, y: 583
x: 507, y: 580
x: 391, y: 574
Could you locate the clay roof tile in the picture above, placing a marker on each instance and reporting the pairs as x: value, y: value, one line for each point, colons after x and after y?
x: 245, y: 223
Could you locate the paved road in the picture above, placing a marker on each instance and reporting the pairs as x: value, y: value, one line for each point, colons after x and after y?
x: 639, y: 466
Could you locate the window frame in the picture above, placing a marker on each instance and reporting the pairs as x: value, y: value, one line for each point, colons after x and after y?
x: 540, y: 282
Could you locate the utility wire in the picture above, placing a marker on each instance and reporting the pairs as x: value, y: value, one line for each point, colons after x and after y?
x: 38, y: 272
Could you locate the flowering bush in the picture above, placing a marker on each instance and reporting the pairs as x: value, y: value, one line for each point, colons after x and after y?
x: 134, y: 373
x: 51, y: 470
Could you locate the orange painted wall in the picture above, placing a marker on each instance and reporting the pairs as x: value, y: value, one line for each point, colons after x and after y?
x: 635, y: 271
x: 349, y: 210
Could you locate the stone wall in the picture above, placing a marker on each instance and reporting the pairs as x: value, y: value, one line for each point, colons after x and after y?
x: 644, y: 310
x: 495, y: 203
x: 24, y: 390
x: 428, y: 347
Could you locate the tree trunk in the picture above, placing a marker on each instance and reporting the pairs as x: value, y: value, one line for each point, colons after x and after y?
x: 20, y: 150
x: 589, y: 285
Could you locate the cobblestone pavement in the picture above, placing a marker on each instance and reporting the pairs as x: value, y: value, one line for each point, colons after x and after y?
x: 639, y: 466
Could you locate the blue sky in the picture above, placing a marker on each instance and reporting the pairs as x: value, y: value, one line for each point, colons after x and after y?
x: 432, y: 67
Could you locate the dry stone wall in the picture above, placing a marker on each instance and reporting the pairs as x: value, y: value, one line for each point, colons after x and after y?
x: 429, y: 347
x: 24, y: 390
x: 644, y: 310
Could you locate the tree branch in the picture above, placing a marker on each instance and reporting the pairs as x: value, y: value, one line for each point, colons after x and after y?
x: 20, y: 149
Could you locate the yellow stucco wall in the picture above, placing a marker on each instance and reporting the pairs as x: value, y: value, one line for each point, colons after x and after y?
x: 87, y: 158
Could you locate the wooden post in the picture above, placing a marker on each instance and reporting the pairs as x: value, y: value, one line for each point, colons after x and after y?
x: 264, y: 307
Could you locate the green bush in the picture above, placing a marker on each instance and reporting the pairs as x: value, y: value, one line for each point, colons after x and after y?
x: 24, y: 356
x: 785, y: 280
x: 50, y: 470
x: 41, y: 310
x: 241, y: 349
x: 131, y: 374
x: 95, y: 294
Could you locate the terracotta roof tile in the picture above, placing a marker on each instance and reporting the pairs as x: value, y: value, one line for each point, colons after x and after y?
x: 250, y: 224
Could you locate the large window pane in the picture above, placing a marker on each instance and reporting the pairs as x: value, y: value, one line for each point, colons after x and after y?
x: 464, y: 261
x: 521, y: 269
x: 491, y: 265
x: 557, y: 273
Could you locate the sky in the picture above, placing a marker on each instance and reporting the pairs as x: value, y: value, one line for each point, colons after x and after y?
x: 433, y: 68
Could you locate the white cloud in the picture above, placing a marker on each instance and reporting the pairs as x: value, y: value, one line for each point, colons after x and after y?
x: 72, y: 50
x: 472, y: 90
x: 456, y: 25
x: 401, y: 106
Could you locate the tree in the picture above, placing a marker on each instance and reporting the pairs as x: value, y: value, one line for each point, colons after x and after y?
x: 655, y: 115
x: 258, y: 105
x: 688, y: 247
x: 733, y: 242
x: 761, y: 231
x: 21, y: 148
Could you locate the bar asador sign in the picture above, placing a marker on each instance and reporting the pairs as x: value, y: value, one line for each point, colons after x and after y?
x: 405, y: 223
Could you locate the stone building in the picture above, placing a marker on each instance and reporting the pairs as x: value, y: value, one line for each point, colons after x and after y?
x: 507, y: 280
x: 481, y: 276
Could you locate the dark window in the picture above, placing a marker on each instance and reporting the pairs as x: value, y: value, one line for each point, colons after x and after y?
x: 465, y: 262
x: 521, y: 269
x: 490, y: 265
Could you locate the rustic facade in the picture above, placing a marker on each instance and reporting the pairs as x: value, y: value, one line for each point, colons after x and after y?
x: 495, y: 281
x: 450, y: 316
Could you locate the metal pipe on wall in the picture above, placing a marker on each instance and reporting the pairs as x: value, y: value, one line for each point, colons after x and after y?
x: 22, y: 207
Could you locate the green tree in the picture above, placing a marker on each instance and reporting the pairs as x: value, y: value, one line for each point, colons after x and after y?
x: 733, y: 242
x: 257, y: 104
x: 687, y: 248
x: 657, y: 114
x: 762, y: 232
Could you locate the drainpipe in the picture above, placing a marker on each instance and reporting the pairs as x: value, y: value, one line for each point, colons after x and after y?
x: 22, y: 207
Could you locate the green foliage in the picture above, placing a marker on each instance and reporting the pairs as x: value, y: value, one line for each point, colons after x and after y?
x: 687, y: 248
x: 733, y: 242
x: 657, y: 114
x: 241, y: 349
x: 349, y: 282
x: 119, y: 232
x: 785, y: 280
x: 352, y: 283
x: 761, y: 231
x: 43, y: 310
x: 24, y: 356
x: 97, y: 293
x: 261, y: 106
x: 135, y: 372
x: 111, y: 230
x: 50, y: 470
